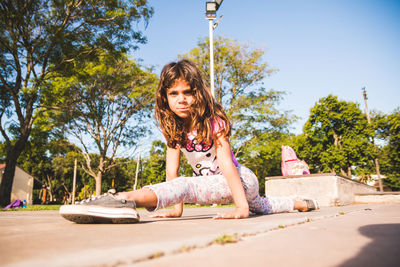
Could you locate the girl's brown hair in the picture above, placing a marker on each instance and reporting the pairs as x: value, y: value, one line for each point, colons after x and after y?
x: 203, y: 110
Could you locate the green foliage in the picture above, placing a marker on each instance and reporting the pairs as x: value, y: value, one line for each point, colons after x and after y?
x: 237, y: 67
x: 121, y: 176
x: 155, y: 166
x: 38, y: 159
x: 263, y: 155
x: 336, y: 137
x: 239, y: 72
x: 40, y: 38
x: 389, y: 128
x: 63, y: 173
x: 109, y: 101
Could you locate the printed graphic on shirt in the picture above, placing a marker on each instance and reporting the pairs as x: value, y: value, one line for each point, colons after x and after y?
x: 201, y: 157
x: 193, y: 146
x: 206, y: 168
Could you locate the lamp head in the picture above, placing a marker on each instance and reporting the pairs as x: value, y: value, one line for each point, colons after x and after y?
x: 212, y: 7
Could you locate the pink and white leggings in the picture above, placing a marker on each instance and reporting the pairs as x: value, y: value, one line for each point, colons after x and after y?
x: 214, y: 189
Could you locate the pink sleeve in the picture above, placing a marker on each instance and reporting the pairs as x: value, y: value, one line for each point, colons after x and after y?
x: 217, y: 125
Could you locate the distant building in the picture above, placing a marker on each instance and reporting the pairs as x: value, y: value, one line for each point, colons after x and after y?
x: 22, y: 186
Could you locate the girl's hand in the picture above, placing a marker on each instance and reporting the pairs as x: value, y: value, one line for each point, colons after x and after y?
x: 170, y: 214
x: 238, y: 213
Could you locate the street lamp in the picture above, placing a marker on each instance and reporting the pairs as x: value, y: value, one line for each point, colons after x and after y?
x: 211, y: 12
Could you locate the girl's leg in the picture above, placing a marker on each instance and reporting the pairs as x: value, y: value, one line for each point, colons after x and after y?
x: 200, y: 189
x: 209, y: 190
x: 143, y: 197
x: 263, y: 205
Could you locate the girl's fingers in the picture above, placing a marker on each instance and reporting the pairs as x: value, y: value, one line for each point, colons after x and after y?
x: 162, y: 215
x: 155, y: 216
x: 237, y: 214
x: 218, y: 216
x: 165, y: 215
x: 227, y: 216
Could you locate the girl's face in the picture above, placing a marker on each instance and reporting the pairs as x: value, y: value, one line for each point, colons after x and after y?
x: 180, y: 98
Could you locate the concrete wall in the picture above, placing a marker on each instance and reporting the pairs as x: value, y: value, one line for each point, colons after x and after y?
x: 329, y: 189
x: 380, y: 197
x: 22, y: 186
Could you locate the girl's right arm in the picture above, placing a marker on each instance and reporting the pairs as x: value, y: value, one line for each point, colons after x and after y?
x: 172, y: 168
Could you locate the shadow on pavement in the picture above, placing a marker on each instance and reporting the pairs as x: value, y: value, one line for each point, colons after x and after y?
x: 183, y: 218
x: 192, y: 217
x: 382, y: 251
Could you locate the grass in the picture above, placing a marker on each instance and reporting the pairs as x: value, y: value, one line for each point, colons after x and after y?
x: 35, y: 208
x: 225, y: 239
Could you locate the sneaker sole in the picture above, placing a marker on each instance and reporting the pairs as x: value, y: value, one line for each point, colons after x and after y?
x: 84, y: 214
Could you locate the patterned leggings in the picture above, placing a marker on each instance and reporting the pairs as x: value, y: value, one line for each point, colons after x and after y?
x: 214, y: 189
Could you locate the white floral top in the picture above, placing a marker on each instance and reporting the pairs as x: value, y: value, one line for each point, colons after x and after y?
x: 202, y: 157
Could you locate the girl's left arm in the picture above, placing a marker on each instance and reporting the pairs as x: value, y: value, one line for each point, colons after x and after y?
x: 229, y: 171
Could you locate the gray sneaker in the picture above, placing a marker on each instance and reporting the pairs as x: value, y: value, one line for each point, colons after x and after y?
x: 102, y: 209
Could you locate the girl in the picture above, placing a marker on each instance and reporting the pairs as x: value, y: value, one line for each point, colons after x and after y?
x: 194, y: 124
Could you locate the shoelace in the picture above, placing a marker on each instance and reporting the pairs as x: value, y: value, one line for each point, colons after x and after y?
x: 109, y: 192
x: 92, y: 199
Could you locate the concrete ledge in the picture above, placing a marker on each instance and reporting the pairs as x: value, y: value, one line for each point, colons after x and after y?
x: 329, y: 189
x: 379, y: 197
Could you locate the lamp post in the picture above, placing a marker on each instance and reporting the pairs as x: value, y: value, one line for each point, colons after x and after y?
x: 211, y: 12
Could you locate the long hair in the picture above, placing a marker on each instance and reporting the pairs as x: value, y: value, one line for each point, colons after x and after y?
x: 203, y: 110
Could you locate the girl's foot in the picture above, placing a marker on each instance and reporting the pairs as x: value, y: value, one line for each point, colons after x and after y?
x: 306, y: 205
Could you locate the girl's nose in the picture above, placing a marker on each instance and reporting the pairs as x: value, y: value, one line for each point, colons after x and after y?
x: 181, y: 98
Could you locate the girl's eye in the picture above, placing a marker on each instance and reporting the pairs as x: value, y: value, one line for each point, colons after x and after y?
x: 173, y: 93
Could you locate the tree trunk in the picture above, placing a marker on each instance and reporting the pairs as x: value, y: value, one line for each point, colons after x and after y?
x: 343, y: 172
x: 336, y: 139
x: 98, y: 183
x: 378, y: 173
x: 349, y: 171
x: 67, y: 194
x: 50, y: 188
x: 9, y: 171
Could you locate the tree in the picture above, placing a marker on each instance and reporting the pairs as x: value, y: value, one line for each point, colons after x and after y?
x: 122, y: 176
x: 155, y: 167
x: 40, y: 37
x: 37, y: 156
x: 108, y: 102
x: 263, y: 155
x: 336, y: 137
x: 49, y: 157
x: 239, y: 74
x: 389, y: 127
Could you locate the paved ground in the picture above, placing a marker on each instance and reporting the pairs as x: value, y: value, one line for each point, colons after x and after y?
x: 356, y: 235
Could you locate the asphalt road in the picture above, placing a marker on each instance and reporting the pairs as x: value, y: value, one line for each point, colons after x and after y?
x: 355, y: 235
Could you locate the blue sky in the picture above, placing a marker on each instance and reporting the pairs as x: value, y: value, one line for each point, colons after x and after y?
x: 320, y: 47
